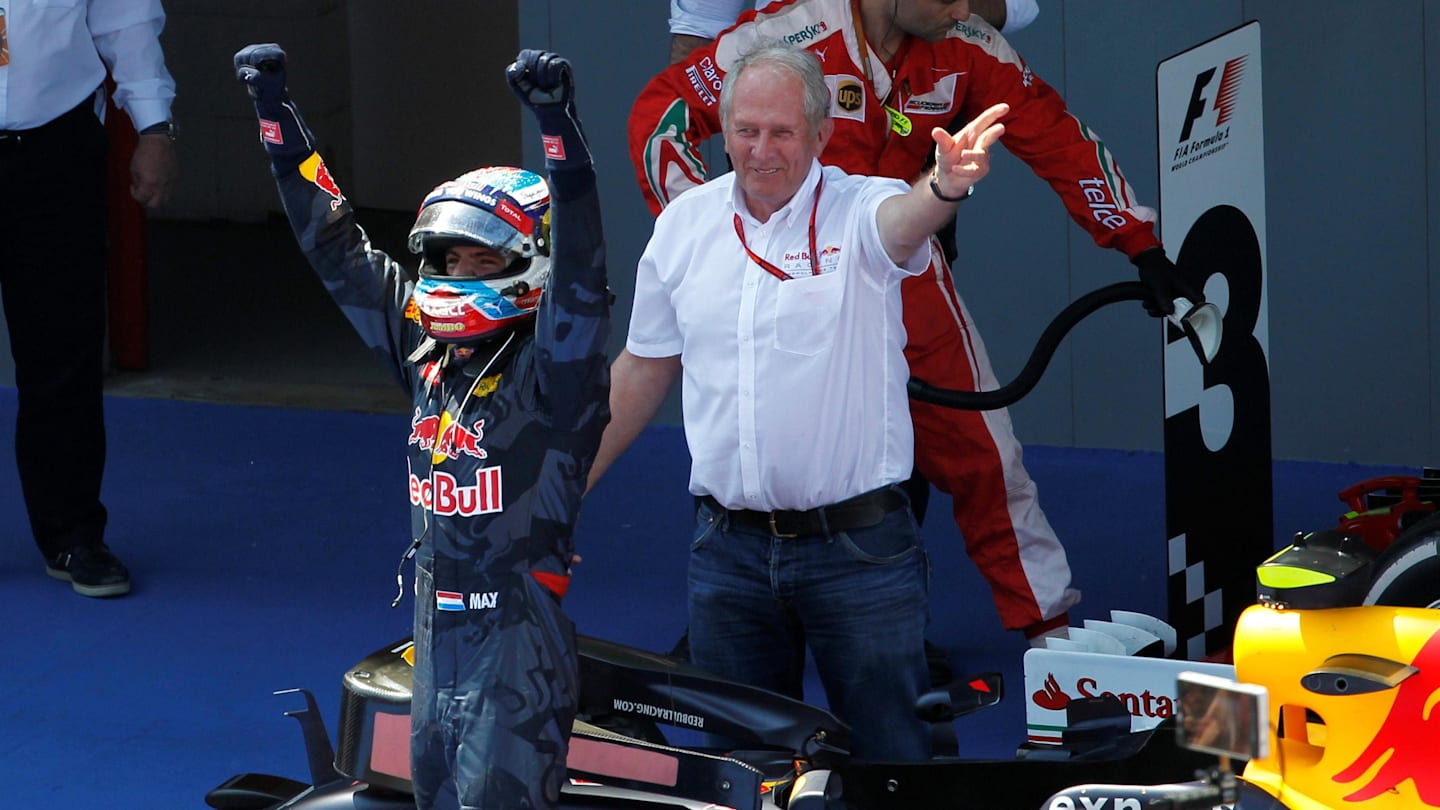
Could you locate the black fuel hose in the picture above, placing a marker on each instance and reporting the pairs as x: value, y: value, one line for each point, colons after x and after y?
x: 1040, y: 356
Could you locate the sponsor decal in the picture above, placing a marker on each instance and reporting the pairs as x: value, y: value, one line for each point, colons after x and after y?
x: 665, y: 715
x: 449, y: 600
x: 938, y: 101
x: 1096, y: 802
x: 442, y: 494
x: 925, y: 106
x: 445, y: 437
x: 514, y: 216
x: 554, y: 146
x: 849, y: 94
x: 270, y: 132
x: 487, y: 385
x: 1144, y: 704
x: 1102, y: 205
x: 705, y: 80
x: 797, y: 262
x: 809, y: 33
x: 971, y: 32
x: 315, y: 170
x: 899, y: 122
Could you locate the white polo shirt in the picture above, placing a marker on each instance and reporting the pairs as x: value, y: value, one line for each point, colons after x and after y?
x: 793, y: 391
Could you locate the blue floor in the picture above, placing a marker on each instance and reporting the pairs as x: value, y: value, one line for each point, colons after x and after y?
x: 264, y: 542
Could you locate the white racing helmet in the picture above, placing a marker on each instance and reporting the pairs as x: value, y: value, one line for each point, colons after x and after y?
x: 499, y: 207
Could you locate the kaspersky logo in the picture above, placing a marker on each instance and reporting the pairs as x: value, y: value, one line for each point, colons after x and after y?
x: 807, y: 34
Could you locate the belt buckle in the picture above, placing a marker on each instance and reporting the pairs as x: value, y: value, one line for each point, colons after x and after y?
x: 775, y: 532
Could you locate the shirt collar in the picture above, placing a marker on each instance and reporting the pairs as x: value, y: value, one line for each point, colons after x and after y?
x: 787, y: 213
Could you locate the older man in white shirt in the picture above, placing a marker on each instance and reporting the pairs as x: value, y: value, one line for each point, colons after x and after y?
x: 54, y: 56
x: 774, y: 292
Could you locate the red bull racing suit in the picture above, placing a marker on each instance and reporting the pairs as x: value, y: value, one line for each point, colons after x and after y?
x: 883, y: 115
x: 500, y: 446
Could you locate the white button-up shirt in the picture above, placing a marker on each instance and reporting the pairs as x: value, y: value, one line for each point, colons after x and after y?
x: 59, y: 50
x: 793, y: 391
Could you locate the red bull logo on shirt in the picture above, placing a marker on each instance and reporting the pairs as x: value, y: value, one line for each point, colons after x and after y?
x: 443, y: 494
x: 446, y: 438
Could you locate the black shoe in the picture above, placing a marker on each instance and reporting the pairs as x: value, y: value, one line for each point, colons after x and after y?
x: 91, y: 571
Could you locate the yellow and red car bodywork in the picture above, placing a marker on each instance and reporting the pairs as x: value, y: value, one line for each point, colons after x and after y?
x: 1354, y: 704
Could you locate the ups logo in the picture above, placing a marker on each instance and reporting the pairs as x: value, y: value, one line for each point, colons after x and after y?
x: 849, y: 95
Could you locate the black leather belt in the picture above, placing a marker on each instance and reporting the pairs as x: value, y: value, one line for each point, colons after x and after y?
x: 859, y: 512
x: 69, y: 121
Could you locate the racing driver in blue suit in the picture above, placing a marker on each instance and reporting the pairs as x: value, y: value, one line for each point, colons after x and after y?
x: 500, y: 337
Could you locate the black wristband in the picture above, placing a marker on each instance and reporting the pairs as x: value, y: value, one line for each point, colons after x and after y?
x: 935, y: 189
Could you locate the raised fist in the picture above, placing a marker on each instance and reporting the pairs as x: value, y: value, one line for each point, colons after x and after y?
x: 283, y: 132
x: 541, y: 78
x: 262, y: 69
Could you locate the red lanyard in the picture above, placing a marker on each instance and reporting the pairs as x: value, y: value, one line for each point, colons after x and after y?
x: 772, y: 269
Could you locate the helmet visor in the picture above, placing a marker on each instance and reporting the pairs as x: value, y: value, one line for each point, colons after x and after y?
x: 452, y: 219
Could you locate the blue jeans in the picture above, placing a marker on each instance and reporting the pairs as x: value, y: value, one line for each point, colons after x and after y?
x: 859, y: 599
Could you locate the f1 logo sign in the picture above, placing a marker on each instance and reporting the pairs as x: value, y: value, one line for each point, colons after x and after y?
x: 1224, y: 102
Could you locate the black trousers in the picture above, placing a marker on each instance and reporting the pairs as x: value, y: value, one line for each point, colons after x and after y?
x: 52, y: 280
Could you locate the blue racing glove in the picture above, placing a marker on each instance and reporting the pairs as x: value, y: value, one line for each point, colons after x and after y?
x: 1163, y: 282
x: 282, y: 130
x: 545, y: 83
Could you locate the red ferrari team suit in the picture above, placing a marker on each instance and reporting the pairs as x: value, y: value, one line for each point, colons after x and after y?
x: 883, y: 114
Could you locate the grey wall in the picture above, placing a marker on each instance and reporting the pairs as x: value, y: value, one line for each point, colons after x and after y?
x: 405, y: 93
x: 399, y: 95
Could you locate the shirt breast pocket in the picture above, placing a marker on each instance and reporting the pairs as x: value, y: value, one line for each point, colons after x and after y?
x: 58, y: 3
x: 807, y: 313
